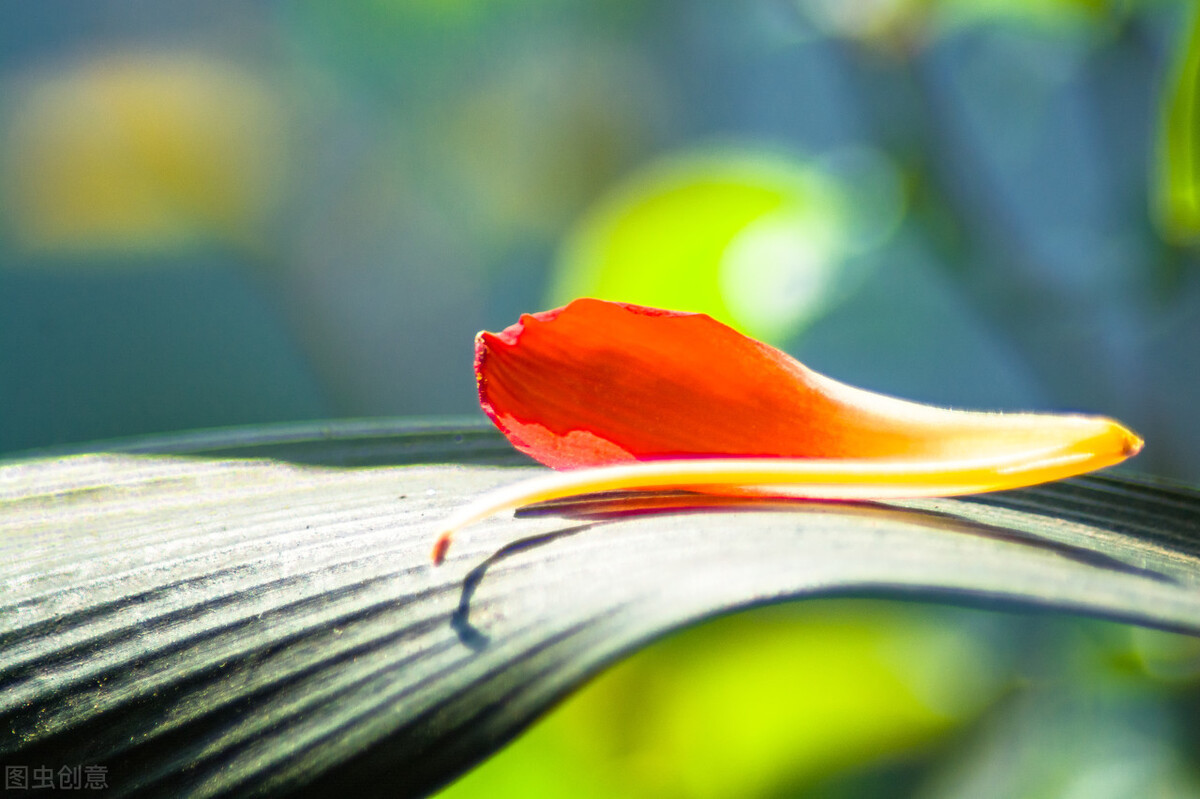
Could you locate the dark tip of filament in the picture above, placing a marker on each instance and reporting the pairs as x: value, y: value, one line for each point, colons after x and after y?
x: 1132, y: 445
x: 439, y: 549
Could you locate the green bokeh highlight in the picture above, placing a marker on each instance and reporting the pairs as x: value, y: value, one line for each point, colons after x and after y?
x: 753, y: 239
x: 754, y: 703
x: 1178, y: 196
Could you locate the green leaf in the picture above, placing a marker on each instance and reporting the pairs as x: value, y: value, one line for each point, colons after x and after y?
x: 1179, y: 158
x: 203, y: 620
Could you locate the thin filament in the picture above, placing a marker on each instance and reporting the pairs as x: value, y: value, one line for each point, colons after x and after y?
x: 866, y: 478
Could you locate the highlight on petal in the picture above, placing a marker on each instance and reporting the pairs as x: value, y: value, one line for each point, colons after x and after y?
x: 604, y: 384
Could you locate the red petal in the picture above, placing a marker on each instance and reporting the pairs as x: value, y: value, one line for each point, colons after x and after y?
x: 601, y: 382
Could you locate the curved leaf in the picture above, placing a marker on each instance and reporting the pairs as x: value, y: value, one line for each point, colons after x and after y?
x: 229, y: 624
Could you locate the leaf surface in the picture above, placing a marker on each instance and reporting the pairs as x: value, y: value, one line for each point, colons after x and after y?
x: 253, y: 611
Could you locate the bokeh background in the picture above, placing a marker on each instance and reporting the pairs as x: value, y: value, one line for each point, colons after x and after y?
x: 228, y: 212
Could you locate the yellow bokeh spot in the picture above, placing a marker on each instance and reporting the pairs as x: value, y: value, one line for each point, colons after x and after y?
x: 141, y: 152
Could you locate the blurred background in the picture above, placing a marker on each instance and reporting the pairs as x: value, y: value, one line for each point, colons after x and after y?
x: 220, y: 213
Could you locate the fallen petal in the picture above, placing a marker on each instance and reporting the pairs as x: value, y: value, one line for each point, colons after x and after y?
x: 604, y: 384
x: 598, y: 382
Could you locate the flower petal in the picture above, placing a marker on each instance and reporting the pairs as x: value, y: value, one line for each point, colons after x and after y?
x: 601, y: 384
x: 598, y: 382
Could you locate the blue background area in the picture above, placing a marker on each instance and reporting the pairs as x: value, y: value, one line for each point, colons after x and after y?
x: 1027, y: 271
